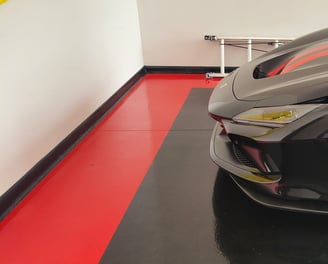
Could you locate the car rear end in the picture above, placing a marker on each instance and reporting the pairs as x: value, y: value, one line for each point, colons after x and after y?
x: 277, y: 154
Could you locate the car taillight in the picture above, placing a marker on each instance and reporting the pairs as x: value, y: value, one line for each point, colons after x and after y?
x: 255, y: 154
x: 219, y: 119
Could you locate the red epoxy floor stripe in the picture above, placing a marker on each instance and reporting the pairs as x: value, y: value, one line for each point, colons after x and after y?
x: 71, y: 216
x: 153, y: 107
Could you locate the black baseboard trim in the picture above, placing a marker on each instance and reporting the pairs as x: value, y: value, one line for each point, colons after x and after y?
x: 186, y: 69
x: 22, y: 187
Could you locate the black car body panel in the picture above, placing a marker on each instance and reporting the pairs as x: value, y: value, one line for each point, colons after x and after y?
x: 272, y: 129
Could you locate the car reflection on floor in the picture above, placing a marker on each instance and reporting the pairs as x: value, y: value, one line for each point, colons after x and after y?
x: 246, y: 232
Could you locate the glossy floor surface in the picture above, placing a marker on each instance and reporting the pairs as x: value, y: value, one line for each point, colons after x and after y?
x: 171, y: 219
x: 71, y: 216
x: 141, y: 188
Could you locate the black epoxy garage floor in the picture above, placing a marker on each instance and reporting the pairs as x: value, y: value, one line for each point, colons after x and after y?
x: 188, y: 211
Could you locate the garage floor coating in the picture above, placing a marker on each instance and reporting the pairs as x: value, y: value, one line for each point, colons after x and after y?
x: 141, y: 188
x: 171, y: 219
x: 188, y: 211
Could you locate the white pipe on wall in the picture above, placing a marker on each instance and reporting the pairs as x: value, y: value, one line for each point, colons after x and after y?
x: 222, y: 67
x: 249, y: 50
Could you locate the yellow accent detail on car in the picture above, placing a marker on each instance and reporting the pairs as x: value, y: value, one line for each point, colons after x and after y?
x: 254, y: 170
x: 270, y: 132
x: 277, y: 116
x: 258, y: 179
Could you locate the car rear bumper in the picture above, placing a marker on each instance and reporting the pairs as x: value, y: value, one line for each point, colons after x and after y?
x: 294, y: 176
x: 224, y: 153
x: 255, y: 192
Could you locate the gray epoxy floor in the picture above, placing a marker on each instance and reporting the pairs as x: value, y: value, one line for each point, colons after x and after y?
x: 188, y: 211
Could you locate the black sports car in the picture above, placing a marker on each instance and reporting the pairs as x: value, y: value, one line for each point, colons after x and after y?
x: 271, y: 133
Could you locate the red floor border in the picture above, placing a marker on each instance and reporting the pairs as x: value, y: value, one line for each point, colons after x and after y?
x: 72, y: 214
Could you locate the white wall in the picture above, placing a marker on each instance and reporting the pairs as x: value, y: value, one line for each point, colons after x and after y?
x: 172, y: 31
x: 59, y: 61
